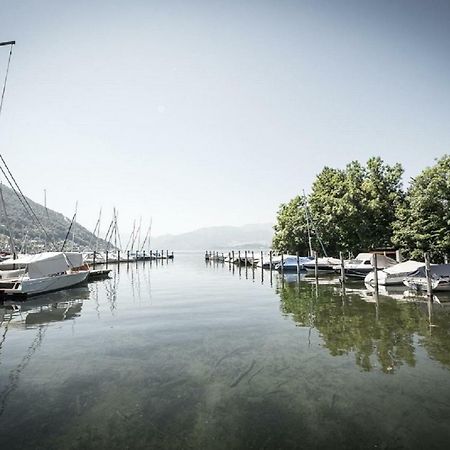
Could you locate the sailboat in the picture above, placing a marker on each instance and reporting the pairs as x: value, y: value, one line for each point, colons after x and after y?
x: 41, y: 273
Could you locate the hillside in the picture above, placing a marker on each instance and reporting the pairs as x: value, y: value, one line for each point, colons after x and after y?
x: 27, y: 234
x: 254, y: 236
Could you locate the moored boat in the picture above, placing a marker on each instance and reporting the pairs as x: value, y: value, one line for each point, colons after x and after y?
x: 364, y: 264
x: 440, y: 278
x: 393, y: 275
x: 43, y: 272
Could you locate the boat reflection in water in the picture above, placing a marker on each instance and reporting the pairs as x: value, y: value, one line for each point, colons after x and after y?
x: 58, y: 306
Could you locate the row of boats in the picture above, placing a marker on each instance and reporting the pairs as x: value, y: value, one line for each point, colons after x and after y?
x: 27, y: 275
x: 389, y: 271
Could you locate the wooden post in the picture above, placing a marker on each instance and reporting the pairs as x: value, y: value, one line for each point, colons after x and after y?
x: 375, y: 271
x: 239, y: 257
x: 270, y: 260
x: 93, y: 261
x: 298, y: 263
x: 253, y: 258
x: 151, y: 255
x: 246, y: 259
x: 428, y: 275
x: 232, y: 256
x: 341, y: 256
x: 316, y: 263
x: 107, y: 258
x: 167, y: 254
x: 128, y: 256
x: 282, y: 263
x: 118, y: 256
x: 262, y: 260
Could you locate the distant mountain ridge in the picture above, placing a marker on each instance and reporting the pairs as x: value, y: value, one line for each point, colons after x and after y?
x: 27, y: 234
x: 252, y: 236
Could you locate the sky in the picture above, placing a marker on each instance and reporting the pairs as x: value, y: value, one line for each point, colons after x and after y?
x: 204, y: 113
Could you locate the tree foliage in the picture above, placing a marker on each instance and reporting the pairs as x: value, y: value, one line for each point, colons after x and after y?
x: 351, y: 209
x: 291, y: 231
x: 423, y: 221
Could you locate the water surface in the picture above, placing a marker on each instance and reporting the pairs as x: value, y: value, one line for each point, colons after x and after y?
x: 193, y: 355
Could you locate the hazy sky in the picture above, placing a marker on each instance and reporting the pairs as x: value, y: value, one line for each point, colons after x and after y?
x: 204, y: 113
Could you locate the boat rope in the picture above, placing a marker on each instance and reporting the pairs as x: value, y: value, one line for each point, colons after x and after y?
x: 23, y: 200
x: 8, y: 224
x: 6, y: 77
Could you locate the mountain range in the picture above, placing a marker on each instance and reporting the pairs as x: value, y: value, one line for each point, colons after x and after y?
x: 253, y: 236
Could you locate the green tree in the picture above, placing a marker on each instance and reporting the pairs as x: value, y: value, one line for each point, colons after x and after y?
x: 291, y: 231
x: 351, y: 209
x: 423, y: 222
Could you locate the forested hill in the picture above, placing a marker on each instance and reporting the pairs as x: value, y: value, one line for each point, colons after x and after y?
x: 27, y: 234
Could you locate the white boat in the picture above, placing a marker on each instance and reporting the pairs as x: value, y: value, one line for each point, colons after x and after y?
x: 290, y: 263
x: 324, y: 265
x: 393, y: 275
x: 363, y: 264
x: 43, y: 272
x: 440, y: 278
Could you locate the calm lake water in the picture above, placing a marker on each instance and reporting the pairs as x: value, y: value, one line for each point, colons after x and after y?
x: 193, y: 355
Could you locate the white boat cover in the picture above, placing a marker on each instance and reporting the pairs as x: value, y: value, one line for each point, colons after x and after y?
x: 47, y: 263
x: 404, y: 267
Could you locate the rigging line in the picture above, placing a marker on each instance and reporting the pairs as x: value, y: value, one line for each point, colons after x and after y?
x: 6, y: 78
x: 26, y: 201
x: 8, y: 224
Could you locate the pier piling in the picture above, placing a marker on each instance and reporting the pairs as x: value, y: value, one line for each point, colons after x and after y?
x: 428, y: 275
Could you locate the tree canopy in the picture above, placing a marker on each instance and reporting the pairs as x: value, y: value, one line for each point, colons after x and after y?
x: 349, y: 209
x: 423, y: 220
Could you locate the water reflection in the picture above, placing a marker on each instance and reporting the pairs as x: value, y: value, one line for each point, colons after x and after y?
x: 381, y: 329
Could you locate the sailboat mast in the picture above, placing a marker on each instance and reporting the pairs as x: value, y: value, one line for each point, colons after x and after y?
x: 308, y: 225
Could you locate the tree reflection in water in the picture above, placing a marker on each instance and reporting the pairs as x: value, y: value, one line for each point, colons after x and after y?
x: 383, y: 333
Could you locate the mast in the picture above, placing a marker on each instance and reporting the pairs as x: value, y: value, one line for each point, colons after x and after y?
x: 308, y: 226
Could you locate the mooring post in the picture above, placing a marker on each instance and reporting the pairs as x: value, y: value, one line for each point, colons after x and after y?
x: 375, y: 271
x: 282, y: 262
x: 232, y: 256
x: 341, y: 256
x: 239, y: 257
x: 137, y: 256
x: 428, y: 275
x: 316, y: 264
x: 253, y: 257
x: 93, y: 260
x: 128, y: 256
x: 151, y: 255
x: 246, y: 259
x: 298, y: 263
x: 270, y: 260
x: 107, y: 258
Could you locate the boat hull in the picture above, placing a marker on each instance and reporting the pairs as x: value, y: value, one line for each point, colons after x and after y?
x: 36, y: 286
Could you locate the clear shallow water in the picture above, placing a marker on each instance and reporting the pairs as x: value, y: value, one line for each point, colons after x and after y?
x: 195, y: 355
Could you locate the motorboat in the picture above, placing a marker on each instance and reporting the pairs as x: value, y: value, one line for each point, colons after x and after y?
x: 364, y: 264
x: 289, y: 263
x: 324, y: 265
x: 40, y: 273
x: 393, y: 275
x: 440, y: 278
